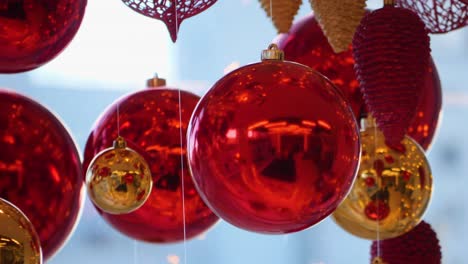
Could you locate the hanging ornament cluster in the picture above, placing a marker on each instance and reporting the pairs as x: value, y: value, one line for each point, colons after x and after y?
x: 339, y: 20
x: 440, y: 16
x: 152, y: 122
x: 119, y: 179
x: 40, y: 169
x: 171, y: 12
x: 420, y: 245
x: 282, y: 12
x: 306, y: 44
x: 19, y: 242
x: 273, y: 147
x: 34, y: 32
x: 392, y: 189
x: 392, y: 53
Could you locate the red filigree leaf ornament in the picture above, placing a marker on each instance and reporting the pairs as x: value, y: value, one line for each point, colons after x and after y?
x: 391, y: 49
x: 440, y: 16
x: 171, y: 12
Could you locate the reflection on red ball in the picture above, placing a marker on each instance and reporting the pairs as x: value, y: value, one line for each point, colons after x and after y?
x: 273, y: 147
x: 40, y: 169
x: 149, y: 122
x: 306, y: 44
x: 33, y: 32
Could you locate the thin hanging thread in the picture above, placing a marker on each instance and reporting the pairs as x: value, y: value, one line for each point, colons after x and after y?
x: 378, y: 193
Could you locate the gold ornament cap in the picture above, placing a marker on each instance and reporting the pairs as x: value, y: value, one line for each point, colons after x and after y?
x: 155, y: 82
x: 120, y: 143
x: 368, y: 122
x: 272, y: 53
x: 378, y: 260
x: 389, y: 2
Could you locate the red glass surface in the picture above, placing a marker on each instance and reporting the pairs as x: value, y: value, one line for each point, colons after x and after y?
x: 306, y: 44
x: 149, y: 122
x: 273, y: 147
x: 40, y: 169
x: 33, y: 32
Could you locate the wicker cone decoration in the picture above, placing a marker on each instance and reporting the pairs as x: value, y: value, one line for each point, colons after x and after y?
x: 283, y: 12
x: 418, y: 246
x: 391, y: 49
x: 171, y: 12
x: 339, y: 20
x: 440, y: 16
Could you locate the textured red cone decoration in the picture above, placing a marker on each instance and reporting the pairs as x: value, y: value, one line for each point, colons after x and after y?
x: 391, y: 49
x: 418, y: 246
x: 171, y: 12
x: 440, y: 16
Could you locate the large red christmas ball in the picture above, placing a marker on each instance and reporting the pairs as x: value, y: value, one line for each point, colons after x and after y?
x: 33, y: 32
x: 40, y: 169
x: 305, y: 43
x: 149, y: 122
x: 273, y: 147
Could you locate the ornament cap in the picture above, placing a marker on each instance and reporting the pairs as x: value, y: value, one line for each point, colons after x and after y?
x: 155, y: 82
x: 120, y: 143
x: 378, y: 260
x: 272, y: 53
x: 389, y: 2
x: 368, y: 122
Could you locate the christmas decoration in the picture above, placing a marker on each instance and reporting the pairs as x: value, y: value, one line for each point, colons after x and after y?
x: 119, y: 179
x: 19, y: 242
x: 171, y: 12
x: 149, y: 121
x: 273, y: 147
x: 283, y: 14
x: 420, y: 245
x: 391, y: 48
x: 392, y: 189
x: 40, y: 169
x: 339, y: 20
x: 440, y: 16
x: 34, y: 32
x: 306, y: 44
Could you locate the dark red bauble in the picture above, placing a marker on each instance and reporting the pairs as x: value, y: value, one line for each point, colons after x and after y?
x: 306, y: 44
x: 418, y: 246
x: 33, y: 32
x: 149, y: 122
x: 391, y: 49
x: 40, y: 169
x: 273, y: 147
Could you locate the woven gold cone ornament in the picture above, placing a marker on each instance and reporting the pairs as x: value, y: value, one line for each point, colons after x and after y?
x: 283, y: 12
x: 339, y: 20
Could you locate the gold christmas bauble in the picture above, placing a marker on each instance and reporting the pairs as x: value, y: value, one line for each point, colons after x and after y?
x: 392, y: 189
x: 119, y: 179
x: 19, y: 242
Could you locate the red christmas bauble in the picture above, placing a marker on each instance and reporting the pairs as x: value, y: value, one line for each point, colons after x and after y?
x: 40, y: 169
x: 418, y: 246
x: 273, y: 147
x: 305, y: 43
x: 149, y: 122
x: 33, y: 32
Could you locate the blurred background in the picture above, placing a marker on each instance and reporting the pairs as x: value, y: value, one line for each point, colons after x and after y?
x: 114, y: 53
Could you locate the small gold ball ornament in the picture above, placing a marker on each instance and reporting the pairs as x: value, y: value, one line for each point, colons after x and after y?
x: 19, y: 242
x: 392, y: 189
x: 119, y: 179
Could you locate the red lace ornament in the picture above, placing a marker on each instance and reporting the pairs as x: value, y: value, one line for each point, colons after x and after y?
x: 418, y: 246
x: 391, y: 49
x: 171, y: 12
x: 440, y: 16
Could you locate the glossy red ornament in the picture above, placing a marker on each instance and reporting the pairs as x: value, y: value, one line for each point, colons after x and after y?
x: 40, y: 169
x: 149, y: 122
x: 305, y: 43
x: 418, y: 246
x: 171, y: 12
x: 440, y: 16
x: 273, y: 147
x: 392, y: 53
x: 33, y: 32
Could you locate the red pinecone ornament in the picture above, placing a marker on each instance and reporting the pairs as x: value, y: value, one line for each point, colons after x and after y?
x: 418, y: 246
x: 391, y: 49
x: 440, y: 16
x: 171, y: 12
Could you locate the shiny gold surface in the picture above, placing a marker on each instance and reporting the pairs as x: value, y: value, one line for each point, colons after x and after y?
x: 119, y: 179
x: 19, y: 243
x: 391, y: 192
